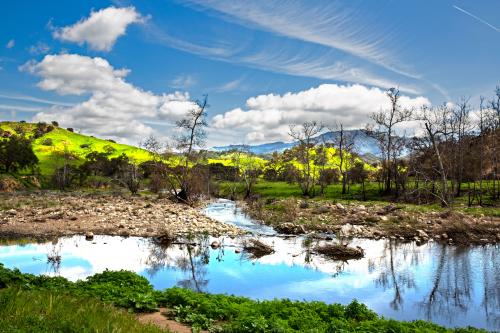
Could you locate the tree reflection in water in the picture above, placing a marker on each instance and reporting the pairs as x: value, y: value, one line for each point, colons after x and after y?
x: 191, y: 257
x: 444, y: 283
x: 491, y: 283
x: 451, y: 288
x: 54, y: 258
x: 394, y: 272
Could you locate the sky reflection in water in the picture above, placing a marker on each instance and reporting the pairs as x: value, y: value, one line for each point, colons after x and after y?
x: 449, y: 285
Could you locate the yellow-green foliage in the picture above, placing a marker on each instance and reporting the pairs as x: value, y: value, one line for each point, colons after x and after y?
x: 51, y: 156
x: 239, y: 159
x: 332, y: 158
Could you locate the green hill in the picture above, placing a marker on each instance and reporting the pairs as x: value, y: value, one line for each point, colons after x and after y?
x: 50, y: 147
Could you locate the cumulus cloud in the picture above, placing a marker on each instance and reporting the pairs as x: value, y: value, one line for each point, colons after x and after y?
x: 101, y: 29
x: 115, y: 108
x: 267, y: 117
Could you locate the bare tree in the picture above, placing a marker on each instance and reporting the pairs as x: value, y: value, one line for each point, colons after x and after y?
x: 155, y: 167
x: 436, y: 122
x: 193, y: 136
x: 386, y: 122
x: 304, y: 135
x: 461, y: 128
x: 128, y: 176
x: 344, y: 142
x: 482, y: 148
x: 494, y: 124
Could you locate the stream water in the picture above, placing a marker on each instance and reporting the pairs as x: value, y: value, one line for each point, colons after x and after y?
x: 451, y: 286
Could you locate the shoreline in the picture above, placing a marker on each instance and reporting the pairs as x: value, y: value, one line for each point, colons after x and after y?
x: 46, y: 214
x: 376, y: 221
x: 51, y: 214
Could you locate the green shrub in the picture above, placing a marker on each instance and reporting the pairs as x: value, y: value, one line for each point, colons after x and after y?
x: 47, y: 142
x: 219, y: 313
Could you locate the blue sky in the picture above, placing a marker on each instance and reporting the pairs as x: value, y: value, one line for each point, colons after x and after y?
x: 127, y: 69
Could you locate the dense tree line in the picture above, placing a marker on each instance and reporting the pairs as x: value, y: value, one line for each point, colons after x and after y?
x: 454, y: 153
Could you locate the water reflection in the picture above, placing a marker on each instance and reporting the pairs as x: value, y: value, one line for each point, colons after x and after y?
x: 452, y: 286
x: 393, y: 273
x: 228, y: 211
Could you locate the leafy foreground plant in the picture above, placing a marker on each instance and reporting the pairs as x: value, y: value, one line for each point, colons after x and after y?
x: 44, y: 311
x: 220, y: 313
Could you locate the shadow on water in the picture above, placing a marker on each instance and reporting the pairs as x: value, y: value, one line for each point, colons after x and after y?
x: 452, y: 286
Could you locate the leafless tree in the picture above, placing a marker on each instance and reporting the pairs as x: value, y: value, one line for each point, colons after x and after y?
x: 384, y: 132
x: 461, y: 126
x: 494, y: 124
x: 128, y: 176
x: 304, y: 135
x: 436, y: 121
x: 156, y: 166
x: 482, y: 132
x: 343, y: 142
x: 193, y: 136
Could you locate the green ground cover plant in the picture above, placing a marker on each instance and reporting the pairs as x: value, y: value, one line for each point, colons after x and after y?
x: 218, y: 313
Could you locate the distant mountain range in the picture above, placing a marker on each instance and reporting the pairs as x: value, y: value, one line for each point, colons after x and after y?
x: 363, y: 144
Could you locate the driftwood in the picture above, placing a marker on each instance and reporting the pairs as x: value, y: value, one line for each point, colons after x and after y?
x: 340, y: 252
x: 256, y: 249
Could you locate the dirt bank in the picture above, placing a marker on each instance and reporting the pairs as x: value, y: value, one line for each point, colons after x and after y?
x: 47, y: 214
x: 377, y: 221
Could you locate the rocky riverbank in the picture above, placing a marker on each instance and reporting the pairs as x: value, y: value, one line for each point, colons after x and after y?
x: 51, y: 214
x: 295, y: 217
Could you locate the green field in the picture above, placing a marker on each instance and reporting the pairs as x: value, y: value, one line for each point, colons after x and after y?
x: 78, y: 145
x: 48, y: 312
x: 283, y: 190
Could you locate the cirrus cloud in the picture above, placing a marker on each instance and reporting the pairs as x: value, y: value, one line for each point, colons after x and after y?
x: 101, y: 29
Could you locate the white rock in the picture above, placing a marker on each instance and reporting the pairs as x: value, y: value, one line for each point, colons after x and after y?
x: 340, y: 206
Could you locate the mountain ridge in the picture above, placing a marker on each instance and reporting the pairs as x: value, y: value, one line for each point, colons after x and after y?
x: 363, y: 144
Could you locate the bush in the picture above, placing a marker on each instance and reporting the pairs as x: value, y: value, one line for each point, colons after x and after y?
x: 16, y: 153
x: 47, y: 142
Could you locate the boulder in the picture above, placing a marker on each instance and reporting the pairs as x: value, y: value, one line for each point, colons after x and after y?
x: 422, y: 234
x: 12, y: 212
x: 304, y: 205
x: 339, y: 206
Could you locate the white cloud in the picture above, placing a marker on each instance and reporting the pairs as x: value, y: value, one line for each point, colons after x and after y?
x: 33, y: 99
x: 101, y: 29
x: 183, y: 81
x: 20, y: 108
x: 282, y: 57
x: 115, y: 108
x: 331, y: 24
x: 267, y: 116
x: 10, y: 44
x: 230, y: 86
x: 39, y: 48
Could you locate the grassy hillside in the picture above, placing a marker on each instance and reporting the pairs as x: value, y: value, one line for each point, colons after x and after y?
x: 78, y: 145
